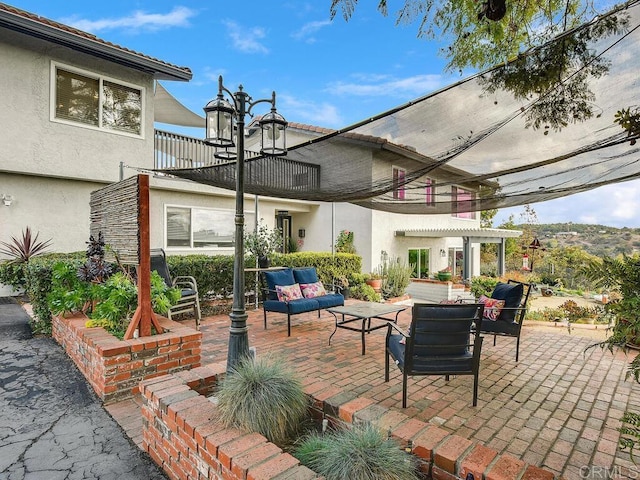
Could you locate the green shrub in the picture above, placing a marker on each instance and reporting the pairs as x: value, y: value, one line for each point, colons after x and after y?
x: 329, y: 267
x: 483, y: 285
x: 396, y: 276
x: 38, y: 278
x: 366, y: 292
x: 361, y: 453
x: 264, y: 396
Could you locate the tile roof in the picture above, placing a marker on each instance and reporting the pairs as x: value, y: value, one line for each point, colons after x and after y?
x: 56, y: 32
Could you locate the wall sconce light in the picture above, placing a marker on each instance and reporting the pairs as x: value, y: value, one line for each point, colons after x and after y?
x: 443, y: 253
x: 301, y: 232
x: 7, y: 200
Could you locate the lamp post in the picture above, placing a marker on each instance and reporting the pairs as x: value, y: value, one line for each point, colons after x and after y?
x: 224, y: 120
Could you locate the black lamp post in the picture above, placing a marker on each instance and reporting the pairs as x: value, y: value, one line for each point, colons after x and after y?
x: 224, y: 120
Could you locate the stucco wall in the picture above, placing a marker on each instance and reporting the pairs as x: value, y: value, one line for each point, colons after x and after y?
x: 45, y: 147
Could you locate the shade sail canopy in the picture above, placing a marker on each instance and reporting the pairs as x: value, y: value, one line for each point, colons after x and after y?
x: 483, y: 135
x: 169, y: 110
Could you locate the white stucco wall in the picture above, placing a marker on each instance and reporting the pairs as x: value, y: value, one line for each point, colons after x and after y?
x: 44, y: 147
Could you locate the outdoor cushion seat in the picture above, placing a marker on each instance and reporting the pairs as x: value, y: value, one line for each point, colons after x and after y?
x: 291, y: 276
x: 189, y: 299
x: 509, y: 322
x: 330, y: 300
x: 441, y: 340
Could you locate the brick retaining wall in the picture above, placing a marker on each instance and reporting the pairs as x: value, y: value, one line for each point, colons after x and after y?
x: 182, y: 436
x: 114, y: 367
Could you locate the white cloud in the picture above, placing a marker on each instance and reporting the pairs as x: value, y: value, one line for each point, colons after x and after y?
x: 306, y: 33
x: 247, y: 40
x: 305, y: 111
x: 376, y: 85
x: 178, y: 17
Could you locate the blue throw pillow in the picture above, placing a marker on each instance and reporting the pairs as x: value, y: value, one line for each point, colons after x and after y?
x: 511, y: 293
x: 305, y: 275
x: 278, y: 277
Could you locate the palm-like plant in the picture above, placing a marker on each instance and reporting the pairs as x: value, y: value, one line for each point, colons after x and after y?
x: 22, y: 249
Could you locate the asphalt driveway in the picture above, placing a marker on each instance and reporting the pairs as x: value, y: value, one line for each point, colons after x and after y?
x: 52, y: 425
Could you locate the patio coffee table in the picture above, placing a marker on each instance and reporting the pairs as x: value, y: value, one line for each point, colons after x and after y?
x: 364, y: 311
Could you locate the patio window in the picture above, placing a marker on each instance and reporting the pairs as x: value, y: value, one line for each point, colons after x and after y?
x: 90, y: 100
x: 462, y: 203
x: 399, y: 189
x: 192, y: 227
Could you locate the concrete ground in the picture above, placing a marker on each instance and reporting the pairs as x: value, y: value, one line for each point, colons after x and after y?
x: 52, y: 425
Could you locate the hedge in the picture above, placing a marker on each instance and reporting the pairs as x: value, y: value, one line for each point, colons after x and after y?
x: 213, y: 274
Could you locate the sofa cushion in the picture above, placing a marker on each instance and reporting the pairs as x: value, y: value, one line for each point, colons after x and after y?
x: 311, y: 290
x: 286, y: 293
x: 511, y: 293
x: 305, y: 275
x: 303, y: 305
x: 330, y: 300
x: 278, y: 277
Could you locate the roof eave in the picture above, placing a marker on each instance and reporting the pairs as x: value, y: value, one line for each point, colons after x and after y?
x: 159, y: 70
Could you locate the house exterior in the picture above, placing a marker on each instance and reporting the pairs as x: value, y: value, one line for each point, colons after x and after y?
x: 81, y: 116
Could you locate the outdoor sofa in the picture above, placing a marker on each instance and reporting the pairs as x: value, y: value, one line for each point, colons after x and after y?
x: 296, y: 290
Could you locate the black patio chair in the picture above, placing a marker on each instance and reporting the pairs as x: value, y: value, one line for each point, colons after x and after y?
x: 440, y: 341
x: 509, y: 321
x: 189, y: 301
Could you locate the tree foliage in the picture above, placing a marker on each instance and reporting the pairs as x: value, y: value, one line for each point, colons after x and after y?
x: 541, y: 45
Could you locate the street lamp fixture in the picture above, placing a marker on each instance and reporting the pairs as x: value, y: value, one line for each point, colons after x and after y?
x: 225, y: 120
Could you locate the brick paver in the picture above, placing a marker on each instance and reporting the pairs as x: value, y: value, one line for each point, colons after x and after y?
x: 557, y: 408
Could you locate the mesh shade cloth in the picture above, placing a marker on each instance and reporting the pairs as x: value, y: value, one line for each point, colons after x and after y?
x: 460, y: 136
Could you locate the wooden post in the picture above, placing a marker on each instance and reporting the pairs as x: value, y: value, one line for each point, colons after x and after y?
x: 144, y: 315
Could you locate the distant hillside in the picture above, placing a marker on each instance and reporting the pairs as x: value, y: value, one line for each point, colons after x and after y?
x: 597, y: 240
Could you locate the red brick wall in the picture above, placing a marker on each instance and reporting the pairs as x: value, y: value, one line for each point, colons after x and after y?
x: 181, y: 434
x: 114, y: 367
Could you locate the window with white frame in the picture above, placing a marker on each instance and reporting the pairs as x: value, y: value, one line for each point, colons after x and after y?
x: 195, y: 227
x: 399, y: 189
x: 462, y: 203
x: 91, y: 100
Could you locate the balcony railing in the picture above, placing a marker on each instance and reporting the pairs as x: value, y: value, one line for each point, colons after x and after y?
x: 265, y: 176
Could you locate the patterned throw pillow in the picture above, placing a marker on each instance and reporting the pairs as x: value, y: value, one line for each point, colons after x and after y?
x: 286, y: 293
x: 492, y: 307
x: 311, y: 290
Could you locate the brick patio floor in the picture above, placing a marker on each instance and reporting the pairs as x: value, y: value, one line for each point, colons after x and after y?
x: 558, y: 408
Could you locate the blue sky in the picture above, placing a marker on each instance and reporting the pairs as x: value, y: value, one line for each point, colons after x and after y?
x: 326, y: 73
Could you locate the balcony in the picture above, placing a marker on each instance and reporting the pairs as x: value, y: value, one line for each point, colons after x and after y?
x: 273, y: 176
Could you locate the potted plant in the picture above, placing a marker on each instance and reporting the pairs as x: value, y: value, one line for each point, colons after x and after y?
x: 445, y: 274
x: 342, y: 284
x: 262, y: 243
x: 374, y: 279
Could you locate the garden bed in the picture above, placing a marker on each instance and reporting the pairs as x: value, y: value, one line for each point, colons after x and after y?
x: 182, y: 435
x: 114, y: 367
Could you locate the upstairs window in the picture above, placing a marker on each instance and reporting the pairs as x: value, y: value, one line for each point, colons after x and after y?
x: 98, y: 102
x: 430, y: 192
x: 399, y: 190
x: 463, y: 203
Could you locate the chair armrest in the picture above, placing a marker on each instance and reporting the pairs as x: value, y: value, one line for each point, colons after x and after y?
x: 392, y: 326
